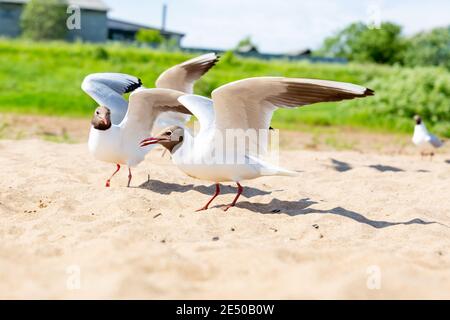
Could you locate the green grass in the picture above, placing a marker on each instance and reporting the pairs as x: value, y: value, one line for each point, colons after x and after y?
x: 45, y: 78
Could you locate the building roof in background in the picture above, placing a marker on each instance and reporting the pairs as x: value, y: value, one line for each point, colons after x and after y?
x: 97, y: 5
x: 134, y: 27
x: 302, y: 52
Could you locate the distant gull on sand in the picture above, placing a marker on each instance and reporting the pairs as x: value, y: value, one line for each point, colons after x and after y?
x: 424, y: 139
x: 247, y: 104
x: 119, y: 125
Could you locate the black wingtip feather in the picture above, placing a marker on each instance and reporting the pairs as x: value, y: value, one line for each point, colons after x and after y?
x: 369, y: 92
x: 203, y: 66
x: 214, y: 62
x: 133, y: 86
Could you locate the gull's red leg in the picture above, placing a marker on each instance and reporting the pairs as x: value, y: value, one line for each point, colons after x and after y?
x: 212, y: 199
x: 240, y: 190
x: 130, y: 176
x: 108, y: 182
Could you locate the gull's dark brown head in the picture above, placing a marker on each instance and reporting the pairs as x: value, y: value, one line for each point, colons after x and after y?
x: 102, y: 118
x: 418, y: 119
x: 169, y: 138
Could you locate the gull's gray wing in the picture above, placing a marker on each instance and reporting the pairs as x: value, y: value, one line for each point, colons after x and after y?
x: 107, y: 89
x: 434, y: 141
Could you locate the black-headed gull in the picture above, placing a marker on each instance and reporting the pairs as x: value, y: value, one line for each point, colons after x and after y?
x: 120, y: 143
x: 424, y: 139
x: 107, y: 89
x: 242, y: 107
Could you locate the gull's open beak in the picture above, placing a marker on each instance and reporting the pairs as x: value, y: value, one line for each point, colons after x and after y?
x: 103, y: 121
x: 149, y: 141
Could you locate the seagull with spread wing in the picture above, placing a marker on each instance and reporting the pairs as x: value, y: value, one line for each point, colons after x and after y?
x: 119, y: 125
x: 242, y: 106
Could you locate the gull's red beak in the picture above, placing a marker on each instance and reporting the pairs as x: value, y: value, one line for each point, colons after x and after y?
x: 149, y: 141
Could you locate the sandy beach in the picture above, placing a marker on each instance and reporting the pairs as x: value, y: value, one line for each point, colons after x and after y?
x: 353, y: 225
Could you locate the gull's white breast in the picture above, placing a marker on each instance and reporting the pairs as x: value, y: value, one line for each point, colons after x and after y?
x: 109, y: 146
x: 421, y: 135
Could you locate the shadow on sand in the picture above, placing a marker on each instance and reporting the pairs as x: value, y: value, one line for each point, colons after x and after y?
x: 302, y: 207
x: 291, y: 208
x: 167, y: 188
x: 341, y: 166
x: 383, y: 168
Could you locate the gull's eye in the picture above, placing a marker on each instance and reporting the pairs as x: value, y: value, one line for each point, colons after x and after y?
x: 97, y: 112
x: 168, y: 133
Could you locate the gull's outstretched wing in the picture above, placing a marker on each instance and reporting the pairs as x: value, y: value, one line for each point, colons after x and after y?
x: 182, y: 77
x: 250, y: 103
x: 107, y: 89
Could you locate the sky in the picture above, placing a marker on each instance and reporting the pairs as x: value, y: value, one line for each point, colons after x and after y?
x: 277, y: 26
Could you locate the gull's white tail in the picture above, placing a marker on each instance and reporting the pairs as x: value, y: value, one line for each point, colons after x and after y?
x: 286, y: 173
x: 267, y: 169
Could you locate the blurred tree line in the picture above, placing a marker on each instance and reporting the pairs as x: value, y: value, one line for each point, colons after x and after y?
x: 45, y: 20
x: 387, y: 45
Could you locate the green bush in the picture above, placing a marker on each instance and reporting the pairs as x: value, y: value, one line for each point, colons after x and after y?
x: 100, y: 53
x: 152, y: 37
x: 44, y: 20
